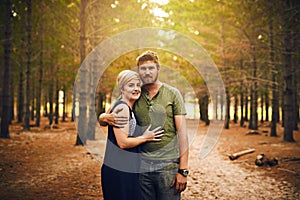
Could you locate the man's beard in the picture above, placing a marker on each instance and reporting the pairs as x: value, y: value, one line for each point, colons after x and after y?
x: 152, y: 81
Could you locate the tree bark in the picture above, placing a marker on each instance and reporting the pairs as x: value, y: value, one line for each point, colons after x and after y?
x: 82, y: 123
x: 216, y: 106
x: 100, y: 103
x: 267, y: 104
x: 32, y: 100
x: 222, y: 107
x: 56, y: 100
x: 242, y: 121
x: 246, y: 118
x: 227, y: 114
x: 203, y: 104
x: 236, y: 102
x: 27, y: 78
x: 5, y: 114
x: 253, y: 124
x: 275, y: 102
x: 40, y: 80
x: 50, y: 113
x: 288, y: 92
x: 92, y: 120
x: 262, y: 101
x: 64, y: 104
x: 21, y: 96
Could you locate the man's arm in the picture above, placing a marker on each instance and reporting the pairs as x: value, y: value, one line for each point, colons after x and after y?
x: 180, y: 181
x: 113, y: 119
x: 180, y: 123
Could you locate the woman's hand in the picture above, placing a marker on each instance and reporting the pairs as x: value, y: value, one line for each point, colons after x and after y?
x: 153, y: 135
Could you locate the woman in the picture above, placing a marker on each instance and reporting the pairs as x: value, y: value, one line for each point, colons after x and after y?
x: 119, y: 172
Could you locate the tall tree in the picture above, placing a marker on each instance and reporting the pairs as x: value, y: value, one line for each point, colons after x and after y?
x: 275, y: 100
x: 82, y: 123
x: 289, y: 91
x: 40, y: 79
x: 28, y: 63
x: 5, y: 114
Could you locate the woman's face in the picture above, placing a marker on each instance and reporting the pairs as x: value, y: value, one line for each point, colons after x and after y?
x: 132, y: 90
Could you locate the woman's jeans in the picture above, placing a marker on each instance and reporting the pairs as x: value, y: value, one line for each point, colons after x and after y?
x: 156, y: 178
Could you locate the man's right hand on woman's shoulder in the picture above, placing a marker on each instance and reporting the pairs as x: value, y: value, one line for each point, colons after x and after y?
x: 114, y: 119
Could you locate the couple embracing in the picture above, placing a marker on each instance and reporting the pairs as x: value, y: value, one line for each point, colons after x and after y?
x: 146, y: 153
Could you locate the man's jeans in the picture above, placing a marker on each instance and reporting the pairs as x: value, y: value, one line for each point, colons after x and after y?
x: 156, y: 179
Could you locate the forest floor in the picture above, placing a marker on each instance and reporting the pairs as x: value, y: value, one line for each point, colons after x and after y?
x: 45, y: 164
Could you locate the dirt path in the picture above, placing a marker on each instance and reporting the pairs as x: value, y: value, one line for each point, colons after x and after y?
x: 217, y: 177
x: 45, y: 164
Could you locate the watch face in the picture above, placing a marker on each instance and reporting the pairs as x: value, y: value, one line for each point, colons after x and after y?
x: 183, y: 172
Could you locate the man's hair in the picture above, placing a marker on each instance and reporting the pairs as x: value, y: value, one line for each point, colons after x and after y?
x: 148, y: 56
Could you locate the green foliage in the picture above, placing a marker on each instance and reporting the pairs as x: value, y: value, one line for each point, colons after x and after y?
x: 227, y: 29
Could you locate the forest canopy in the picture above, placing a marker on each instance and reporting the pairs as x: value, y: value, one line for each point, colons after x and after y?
x: 254, y: 44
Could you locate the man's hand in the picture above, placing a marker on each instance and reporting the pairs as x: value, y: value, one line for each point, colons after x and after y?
x: 113, y: 119
x: 179, y: 182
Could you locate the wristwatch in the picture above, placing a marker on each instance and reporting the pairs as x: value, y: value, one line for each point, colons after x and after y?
x: 183, y: 172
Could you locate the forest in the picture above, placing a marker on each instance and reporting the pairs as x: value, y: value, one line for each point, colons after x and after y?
x: 235, y: 62
x: 255, y: 45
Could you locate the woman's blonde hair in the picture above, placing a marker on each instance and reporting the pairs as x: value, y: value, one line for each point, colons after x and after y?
x: 125, y: 76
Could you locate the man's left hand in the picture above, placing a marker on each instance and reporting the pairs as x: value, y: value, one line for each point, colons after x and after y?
x: 179, y: 182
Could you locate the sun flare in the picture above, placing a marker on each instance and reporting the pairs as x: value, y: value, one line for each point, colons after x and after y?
x: 160, y: 2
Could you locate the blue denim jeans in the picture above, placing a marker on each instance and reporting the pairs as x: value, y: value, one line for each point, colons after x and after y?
x: 156, y: 178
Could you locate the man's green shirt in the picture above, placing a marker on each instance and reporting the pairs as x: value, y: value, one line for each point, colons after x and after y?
x: 160, y: 111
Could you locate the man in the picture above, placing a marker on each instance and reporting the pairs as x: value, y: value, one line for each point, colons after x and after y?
x: 164, y: 164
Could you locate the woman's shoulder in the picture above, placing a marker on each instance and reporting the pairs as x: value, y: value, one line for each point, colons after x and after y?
x: 121, y: 105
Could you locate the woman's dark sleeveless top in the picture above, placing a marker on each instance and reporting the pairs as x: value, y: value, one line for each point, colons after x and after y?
x: 126, y: 160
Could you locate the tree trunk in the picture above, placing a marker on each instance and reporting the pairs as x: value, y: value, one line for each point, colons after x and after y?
x: 242, y: 95
x: 82, y: 123
x: 27, y: 78
x: 242, y: 121
x: 236, y: 102
x: 275, y: 102
x: 56, y: 101
x: 267, y: 104
x: 288, y: 92
x: 20, y: 114
x: 92, y: 120
x: 222, y: 107
x: 262, y: 101
x: 74, y: 96
x: 45, y: 114
x: 32, y: 100
x: 227, y: 114
x: 40, y: 81
x: 50, y: 114
x: 100, y: 102
x: 64, y: 104
x: 246, y: 118
x: 215, y: 106
x: 5, y: 114
x: 295, y: 85
x: 253, y: 107
x: 11, y: 101
x: 203, y: 105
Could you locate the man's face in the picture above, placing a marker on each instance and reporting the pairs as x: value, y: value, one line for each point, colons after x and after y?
x: 148, y: 72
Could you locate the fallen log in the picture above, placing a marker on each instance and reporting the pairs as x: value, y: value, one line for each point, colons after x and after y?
x: 241, y: 153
